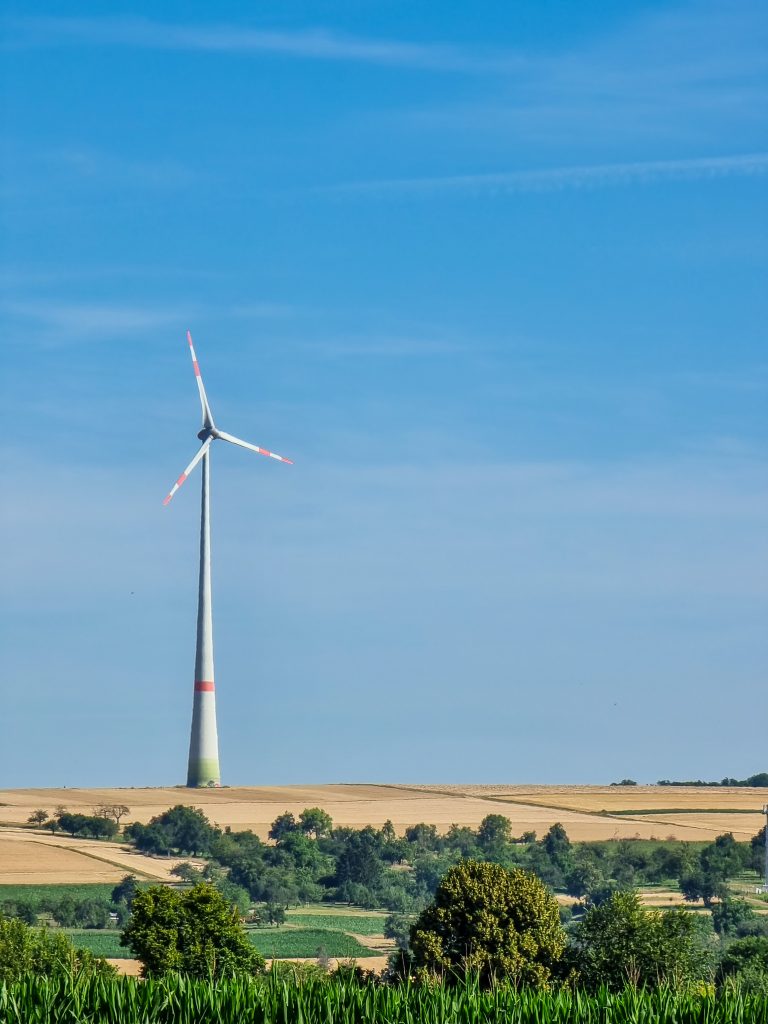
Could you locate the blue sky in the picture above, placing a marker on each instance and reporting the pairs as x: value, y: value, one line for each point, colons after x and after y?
x: 494, y: 277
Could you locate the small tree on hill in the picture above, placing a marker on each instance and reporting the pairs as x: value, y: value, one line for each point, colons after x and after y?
x: 494, y: 835
x: 490, y: 921
x: 115, y: 812
x: 282, y: 825
x: 38, y: 817
x: 315, y: 821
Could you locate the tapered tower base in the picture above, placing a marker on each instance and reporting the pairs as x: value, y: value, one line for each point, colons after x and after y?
x: 203, y: 764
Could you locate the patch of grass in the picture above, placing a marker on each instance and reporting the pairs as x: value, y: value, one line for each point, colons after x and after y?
x: 100, y: 942
x: 360, y: 925
x: 37, y: 894
x: 306, y: 942
x: 270, y: 942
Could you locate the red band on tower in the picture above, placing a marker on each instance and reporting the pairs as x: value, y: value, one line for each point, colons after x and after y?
x: 204, y: 686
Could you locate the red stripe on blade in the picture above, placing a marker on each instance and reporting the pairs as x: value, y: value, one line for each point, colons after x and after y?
x: 196, y: 367
x: 204, y: 686
x: 181, y: 479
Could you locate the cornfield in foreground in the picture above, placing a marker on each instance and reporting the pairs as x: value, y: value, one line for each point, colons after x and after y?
x: 177, y: 1000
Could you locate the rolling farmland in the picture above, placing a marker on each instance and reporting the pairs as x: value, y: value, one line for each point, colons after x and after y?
x: 586, y: 812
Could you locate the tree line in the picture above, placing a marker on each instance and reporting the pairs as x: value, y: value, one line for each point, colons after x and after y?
x: 308, y: 860
x: 759, y: 781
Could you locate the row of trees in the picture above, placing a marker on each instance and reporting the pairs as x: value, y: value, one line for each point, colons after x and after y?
x: 104, y: 823
x: 760, y: 781
x: 309, y: 860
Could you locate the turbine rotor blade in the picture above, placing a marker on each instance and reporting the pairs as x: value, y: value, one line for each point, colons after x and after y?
x: 207, y: 414
x: 252, y: 447
x: 203, y: 449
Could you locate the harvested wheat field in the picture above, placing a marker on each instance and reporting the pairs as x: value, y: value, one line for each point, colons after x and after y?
x: 34, y: 857
x: 586, y: 812
x: 679, y: 811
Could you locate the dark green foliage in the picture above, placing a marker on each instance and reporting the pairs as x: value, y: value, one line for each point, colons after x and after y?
x: 423, y: 837
x: 757, y: 851
x: 621, y: 943
x: 268, y: 914
x: 398, y: 928
x: 83, y: 906
x: 315, y: 821
x: 733, y: 917
x: 282, y: 826
x: 196, y: 932
x: 760, y: 780
x: 359, y: 860
x: 44, y: 954
x: 125, y: 891
x: 89, y: 826
x: 489, y: 922
x: 718, y: 862
x: 183, y: 830
x: 494, y: 836
x: 745, y: 964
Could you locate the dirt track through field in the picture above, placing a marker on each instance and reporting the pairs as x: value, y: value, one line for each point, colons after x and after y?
x: 586, y: 812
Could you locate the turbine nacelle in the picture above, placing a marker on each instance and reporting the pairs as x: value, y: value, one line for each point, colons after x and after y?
x: 209, y: 432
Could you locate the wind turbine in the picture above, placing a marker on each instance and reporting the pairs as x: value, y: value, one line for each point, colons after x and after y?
x: 203, y: 766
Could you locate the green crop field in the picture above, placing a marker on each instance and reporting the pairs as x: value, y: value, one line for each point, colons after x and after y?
x: 99, y: 941
x: 358, y: 924
x: 179, y: 1000
x: 306, y: 942
x: 270, y: 942
x: 36, y: 894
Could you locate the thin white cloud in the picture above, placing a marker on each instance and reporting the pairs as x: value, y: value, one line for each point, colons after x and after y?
x: 87, y: 319
x: 52, y: 321
x: 317, y: 44
x: 555, y: 178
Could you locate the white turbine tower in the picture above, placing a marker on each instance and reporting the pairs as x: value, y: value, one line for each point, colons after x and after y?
x: 203, y: 767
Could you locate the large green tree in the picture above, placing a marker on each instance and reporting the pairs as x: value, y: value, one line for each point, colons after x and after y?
x: 196, y: 932
x: 620, y: 943
x: 490, y: 921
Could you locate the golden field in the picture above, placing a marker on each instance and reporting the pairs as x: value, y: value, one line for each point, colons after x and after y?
x: 586, y: 812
